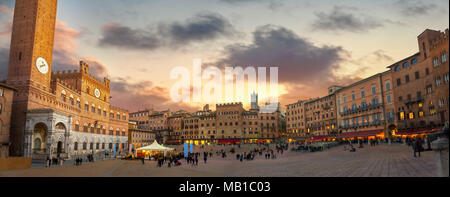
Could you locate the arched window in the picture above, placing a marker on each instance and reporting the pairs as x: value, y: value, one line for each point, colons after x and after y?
x: 397, y: 68
x: 75, y: 146
x: 406, y: 64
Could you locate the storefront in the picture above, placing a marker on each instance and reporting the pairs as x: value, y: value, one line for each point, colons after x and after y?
x: 320, y: 139
x: 256, y: 141
x: 229, y: 141
x: 362, y: 135
x: 412, y: 133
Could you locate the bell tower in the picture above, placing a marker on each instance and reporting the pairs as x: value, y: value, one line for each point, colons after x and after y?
x: 31, y: 51
x: 30, y: 63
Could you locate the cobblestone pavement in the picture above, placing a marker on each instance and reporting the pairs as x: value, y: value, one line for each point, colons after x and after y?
x: 379, y: 161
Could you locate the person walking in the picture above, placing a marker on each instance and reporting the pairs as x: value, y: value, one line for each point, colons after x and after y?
x: 48, y: 162
x: 418, y: 146
x: 143, y: 160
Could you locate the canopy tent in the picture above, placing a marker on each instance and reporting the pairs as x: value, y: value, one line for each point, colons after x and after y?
x: 155, y: 147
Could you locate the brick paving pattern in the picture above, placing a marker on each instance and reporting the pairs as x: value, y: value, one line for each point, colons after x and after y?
x: 380, y: 161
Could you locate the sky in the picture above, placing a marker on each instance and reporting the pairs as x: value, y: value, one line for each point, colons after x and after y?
x: 314, y: 44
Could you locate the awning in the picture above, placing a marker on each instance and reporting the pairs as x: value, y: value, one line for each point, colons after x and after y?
x: 317, y: 138
x: 229, y: 141
x: 361, y: 134
x: 415, y: 131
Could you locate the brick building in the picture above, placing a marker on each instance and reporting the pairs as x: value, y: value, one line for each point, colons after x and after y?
x: 295, y: 119
x: 410, y: 98
x: 56, y: 113
x: 366, y: 108
x: 421, y: 85
x: 320, y: 116
x: 139, y: 137
x: 230, y: 123
x: 6, y: 101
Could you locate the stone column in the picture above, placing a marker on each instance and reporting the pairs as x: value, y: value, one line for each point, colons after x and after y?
x: 440, y: 148
x: 28, y: 141
x: 67, y: 141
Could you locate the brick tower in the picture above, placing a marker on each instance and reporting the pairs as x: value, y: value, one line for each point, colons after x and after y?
x: 30, y: 60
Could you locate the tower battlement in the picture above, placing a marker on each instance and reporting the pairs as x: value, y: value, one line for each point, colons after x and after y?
x: 441, y: 39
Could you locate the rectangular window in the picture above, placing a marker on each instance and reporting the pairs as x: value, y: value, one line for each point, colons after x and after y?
x: 420, y: 114
x: 1, y: 92
x: 388, y: 98
x: 411, y: 115
x: 402, y: 115
x: 438, y: 81
x: 417, y: 75
x: 429, y: 89
x: 353, y: 96
x: 363, y: 93
x: 1, y: 110
x: 435, y: 62
x: 86, y: 107
x: 374, y: 90
x: 406, y: 78
x: 444, y: 57
x: 399, y: 82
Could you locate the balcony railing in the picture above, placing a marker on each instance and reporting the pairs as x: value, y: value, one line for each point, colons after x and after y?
x: 360, y: 109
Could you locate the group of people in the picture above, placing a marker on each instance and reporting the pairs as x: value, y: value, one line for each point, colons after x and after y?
x: 78, y: 161
x: 416, y: 145
x: 54, y: 161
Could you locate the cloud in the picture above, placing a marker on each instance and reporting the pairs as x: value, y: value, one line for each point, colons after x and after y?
x: 415, y: 7
x: 4, y: 57
x: 65, y: 46
x: 201, y: 27
x: 299, y: 60
x: 96, y: 67
x: 341, y: 19
x: 145, y: 93
x: 4, y: 9
x: 272, y: 4
x: 117, y: 35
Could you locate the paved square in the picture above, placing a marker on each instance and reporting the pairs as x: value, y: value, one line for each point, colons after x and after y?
x: 380, y: 161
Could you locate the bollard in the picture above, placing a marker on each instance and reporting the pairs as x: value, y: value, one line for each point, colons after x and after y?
x: 440, y: 148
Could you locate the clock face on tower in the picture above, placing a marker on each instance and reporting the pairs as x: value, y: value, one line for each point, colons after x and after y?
x: 97, y: 93
x: 42, y: 65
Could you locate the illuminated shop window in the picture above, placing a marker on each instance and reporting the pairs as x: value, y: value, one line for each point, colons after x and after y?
x: 411, y: 115
x: 402, y: 115
x: 420, y: 114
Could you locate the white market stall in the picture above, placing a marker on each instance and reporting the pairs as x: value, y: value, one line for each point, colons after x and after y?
x: 152, y: 150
